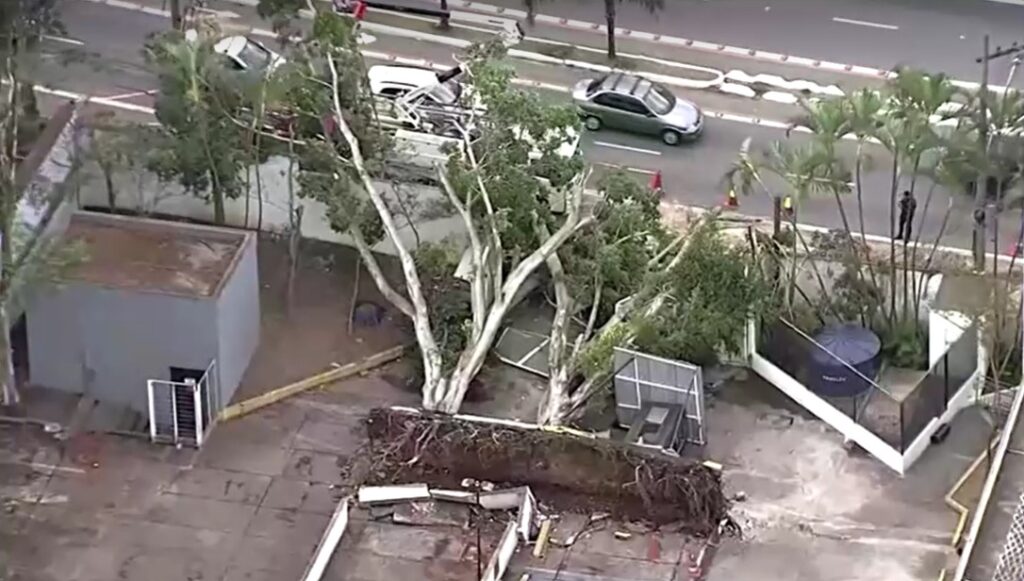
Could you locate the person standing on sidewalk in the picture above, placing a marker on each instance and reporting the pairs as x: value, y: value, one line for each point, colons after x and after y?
x: 908, y: 205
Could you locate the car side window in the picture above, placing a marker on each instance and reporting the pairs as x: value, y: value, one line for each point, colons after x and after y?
x: 621, y: 102
x: 391, y: 92
x: 633, y: 106
x: 607, y: 100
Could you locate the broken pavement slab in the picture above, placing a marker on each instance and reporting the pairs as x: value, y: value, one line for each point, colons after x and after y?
x: 372, y: 495
x: 431, y: 513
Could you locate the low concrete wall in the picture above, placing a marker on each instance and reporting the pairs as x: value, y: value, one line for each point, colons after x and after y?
x: 145, y: 194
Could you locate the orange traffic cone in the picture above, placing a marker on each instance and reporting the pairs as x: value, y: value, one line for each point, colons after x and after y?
x: 731, y: 200
x: 656, y: 181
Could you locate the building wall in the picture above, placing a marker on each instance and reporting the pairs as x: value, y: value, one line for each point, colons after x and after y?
x: 152, y: 196
x: 108, y: 342
x: 238, y: 320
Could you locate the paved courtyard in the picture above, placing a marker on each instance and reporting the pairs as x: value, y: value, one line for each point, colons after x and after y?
x: 250, y: 505
x: 253, y: 503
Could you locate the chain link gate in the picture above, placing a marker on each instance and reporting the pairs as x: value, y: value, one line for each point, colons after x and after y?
x: 182, y: 412
x: 1010, y: 566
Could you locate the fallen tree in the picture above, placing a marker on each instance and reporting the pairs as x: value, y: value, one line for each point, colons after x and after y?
x: 567, y: 473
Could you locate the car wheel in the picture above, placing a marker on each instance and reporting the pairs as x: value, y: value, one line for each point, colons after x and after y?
x: 670, y: 137
x: 592, y: 123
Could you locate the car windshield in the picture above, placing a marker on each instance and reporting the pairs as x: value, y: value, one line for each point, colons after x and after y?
x: 593, y: 86
x: 254, y: 56
x: 659, y: 99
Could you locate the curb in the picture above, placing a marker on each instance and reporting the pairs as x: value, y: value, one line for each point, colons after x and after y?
x: 274, y: 396
x: 703, y: 46
x: 749, y: 220
x: 716, y: 48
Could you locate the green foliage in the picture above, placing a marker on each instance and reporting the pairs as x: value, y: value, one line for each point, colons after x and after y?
x: 205, y: 150
x: 714, y: 292
x: 596, y: 356
x: 904, y: 345
x: 23, y: 23
x: 614, y: 253
x: 518, y: 142
x: 447, y: 298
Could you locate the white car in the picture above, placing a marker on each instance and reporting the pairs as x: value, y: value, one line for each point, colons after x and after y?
x: 394, y: 81
x: 245, y: 54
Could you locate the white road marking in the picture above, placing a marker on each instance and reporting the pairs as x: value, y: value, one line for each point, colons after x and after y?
x: 865, y: 23
x: 70, y: 41
x: 39, y: 467
x: 130, y: 95
x: 627, y: 148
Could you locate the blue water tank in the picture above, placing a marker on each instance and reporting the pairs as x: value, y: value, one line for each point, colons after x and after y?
x: 853, y: 345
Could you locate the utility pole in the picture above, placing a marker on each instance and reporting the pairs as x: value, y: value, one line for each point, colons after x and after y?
x: 981, y: 183
x: 176, y: 19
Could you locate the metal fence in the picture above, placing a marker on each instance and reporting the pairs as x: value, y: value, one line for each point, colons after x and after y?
x: 1010, y: 566
x: 896, y: 420
x: 642, y: 378
x: 182, y: 412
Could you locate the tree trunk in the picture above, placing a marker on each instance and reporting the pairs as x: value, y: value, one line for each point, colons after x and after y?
x: 531, y: 11
x: 108, y: 180
x: 294, y: 239
x: 416, y: 305
x: 609, y: 18
x: 177, y: 22
x: 8, y: 207
x: 858, y: 169
x: 218, y: 205
x: 294, y: 226
x: 444, y: 23
x: 558, y: 364
x: 893, y: 187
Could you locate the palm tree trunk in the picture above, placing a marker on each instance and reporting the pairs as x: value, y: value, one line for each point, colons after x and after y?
x: 609, y: 18
x: 893, y: 186
x: 858, y: 171
x: 444, y: 19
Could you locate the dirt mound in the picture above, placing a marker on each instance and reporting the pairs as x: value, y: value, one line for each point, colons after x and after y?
x: 567, y: 473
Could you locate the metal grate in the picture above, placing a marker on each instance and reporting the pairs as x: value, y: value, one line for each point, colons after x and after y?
x: 1010, y: 566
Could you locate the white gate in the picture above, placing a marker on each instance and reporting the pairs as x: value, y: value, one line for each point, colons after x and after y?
x: 182, y: 412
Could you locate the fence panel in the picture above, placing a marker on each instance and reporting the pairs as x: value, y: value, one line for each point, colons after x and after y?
x: 793, y: 352
x: 925, y: 401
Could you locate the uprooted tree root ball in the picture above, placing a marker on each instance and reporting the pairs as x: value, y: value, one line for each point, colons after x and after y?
x: 567, y: 473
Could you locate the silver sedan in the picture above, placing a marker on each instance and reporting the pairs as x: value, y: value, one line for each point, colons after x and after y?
x: 631, y: 103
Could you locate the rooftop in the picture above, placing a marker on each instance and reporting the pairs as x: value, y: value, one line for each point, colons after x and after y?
x: 152, y: 255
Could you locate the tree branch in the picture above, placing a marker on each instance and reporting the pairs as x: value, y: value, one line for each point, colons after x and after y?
x: 477, y: 299
x: 421, y: 315
x: 377, y: 274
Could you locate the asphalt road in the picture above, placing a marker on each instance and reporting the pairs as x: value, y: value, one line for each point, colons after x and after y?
x: 692, y: 174
x: 937, y: 35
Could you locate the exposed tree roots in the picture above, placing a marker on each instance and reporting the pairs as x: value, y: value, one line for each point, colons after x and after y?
x: 567, y: 473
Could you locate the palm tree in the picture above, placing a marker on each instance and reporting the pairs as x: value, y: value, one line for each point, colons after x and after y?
x: 652, y: 6
x: 912, y: 100
x: 807, y: 170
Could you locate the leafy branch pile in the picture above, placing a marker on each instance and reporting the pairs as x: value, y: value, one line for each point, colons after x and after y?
x: 567, y: 473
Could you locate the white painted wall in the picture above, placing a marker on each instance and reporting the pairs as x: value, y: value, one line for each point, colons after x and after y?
x: 145, y: 194
x: 827, y: 413
x: 944, y: 328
